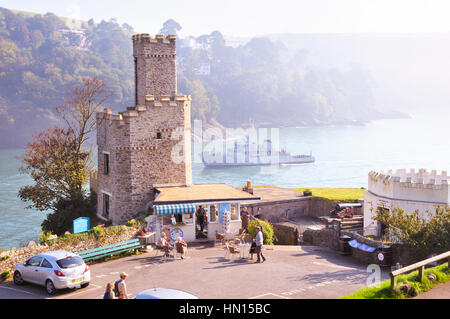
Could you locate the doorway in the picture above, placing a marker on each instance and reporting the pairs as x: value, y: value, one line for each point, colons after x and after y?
x: 201, y: 222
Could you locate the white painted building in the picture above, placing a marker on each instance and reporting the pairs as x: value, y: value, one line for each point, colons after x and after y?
x: 410, y: 191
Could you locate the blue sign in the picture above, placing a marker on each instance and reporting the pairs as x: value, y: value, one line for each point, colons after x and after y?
x: 80, y: 225
x: 223, y: 208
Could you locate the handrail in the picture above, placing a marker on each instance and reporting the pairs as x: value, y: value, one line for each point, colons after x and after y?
x: 417, y: 266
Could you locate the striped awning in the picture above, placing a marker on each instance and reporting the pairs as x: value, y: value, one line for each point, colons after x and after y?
x: 174, y: 209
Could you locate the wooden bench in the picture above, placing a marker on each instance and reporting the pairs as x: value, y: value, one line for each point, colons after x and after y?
x: 417, y: 266
x: 110, y: 250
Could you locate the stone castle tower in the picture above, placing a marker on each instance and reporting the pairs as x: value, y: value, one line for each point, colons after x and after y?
x: 149, y: 144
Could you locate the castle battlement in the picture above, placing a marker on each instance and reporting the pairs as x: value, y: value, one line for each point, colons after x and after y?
x: 158, y: 38
x: 422, y: 176
x: 151, y: 102
x: 412, y: 185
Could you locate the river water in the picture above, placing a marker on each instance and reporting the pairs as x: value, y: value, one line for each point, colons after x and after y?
x: 344, y: 155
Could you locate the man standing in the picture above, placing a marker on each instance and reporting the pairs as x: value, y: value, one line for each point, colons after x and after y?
x: 120, y: 288
x: 259, y: 242
x: 201, y: 217
x: 244, y: 218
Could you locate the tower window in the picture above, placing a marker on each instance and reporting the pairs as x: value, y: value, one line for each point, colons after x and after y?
x: 106, y: 163
x: 106, y: 205
x: 158, y: 135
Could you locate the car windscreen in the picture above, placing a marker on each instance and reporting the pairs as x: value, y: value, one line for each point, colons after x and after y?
x: 70, y: 262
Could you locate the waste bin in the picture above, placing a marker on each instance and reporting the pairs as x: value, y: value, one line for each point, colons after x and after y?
x: 384, y: 255
x: 345, y: 247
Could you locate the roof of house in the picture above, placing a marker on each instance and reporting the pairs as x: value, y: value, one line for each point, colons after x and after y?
x: 201, y: 193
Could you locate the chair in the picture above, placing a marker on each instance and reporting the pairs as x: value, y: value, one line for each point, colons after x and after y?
x: 241, y: 238
x: 231, y: 250
x: 219, y: 237
x: 165, y: 250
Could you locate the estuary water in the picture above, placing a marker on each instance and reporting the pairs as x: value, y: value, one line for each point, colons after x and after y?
x: 344, y: 154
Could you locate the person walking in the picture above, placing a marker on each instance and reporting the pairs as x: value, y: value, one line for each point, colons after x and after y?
x: 109, y: 292
x: 120, y: 288
x: 259, y: 239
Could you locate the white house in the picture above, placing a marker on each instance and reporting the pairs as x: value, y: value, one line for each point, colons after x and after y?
x: 410, y: 191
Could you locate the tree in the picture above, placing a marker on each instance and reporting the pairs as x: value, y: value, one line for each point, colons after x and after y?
x: 170, y: 27
x: 57, y: 168
x: 79, y: 109
x: 58, y: 162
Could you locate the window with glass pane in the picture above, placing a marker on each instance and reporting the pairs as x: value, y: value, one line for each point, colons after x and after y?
x: 214, y: 213
x: 188, y: 218
x: 106, y: 205
x: 34, y: 261
x: 46, y: 264
x: 234, y: 212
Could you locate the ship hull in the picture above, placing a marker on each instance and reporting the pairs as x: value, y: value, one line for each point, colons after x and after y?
x: 282, y: 161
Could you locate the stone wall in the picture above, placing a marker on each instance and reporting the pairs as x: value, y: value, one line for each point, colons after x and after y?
x: 277, y: 211
x: 156, y: 71
x: 286, y: 234
x: 148, y: 144
x: 10, y: 258
x: 319, y: 237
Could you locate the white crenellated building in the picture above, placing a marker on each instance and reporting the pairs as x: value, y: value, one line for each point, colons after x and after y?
x: 414, y: 190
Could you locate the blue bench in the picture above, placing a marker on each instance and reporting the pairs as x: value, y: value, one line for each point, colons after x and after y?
x: 110, y: 250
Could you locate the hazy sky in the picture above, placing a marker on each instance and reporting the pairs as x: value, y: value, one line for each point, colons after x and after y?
x: 257, y: 17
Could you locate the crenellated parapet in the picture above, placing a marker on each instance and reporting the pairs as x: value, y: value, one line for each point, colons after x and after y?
x: 410, y: 185
x: 151, y: 102
x: 407, y: 179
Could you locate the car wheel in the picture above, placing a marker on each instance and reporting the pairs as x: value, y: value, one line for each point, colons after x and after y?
x: 18, y: 280
x: 50, y: 287
x: 85, y: 285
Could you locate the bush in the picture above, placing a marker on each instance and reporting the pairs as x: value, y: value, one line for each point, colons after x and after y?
x: 422, y: 233
x: 267, y: 230
x: 97, y: 231
x: 6, y: 274
x: 67, y: 210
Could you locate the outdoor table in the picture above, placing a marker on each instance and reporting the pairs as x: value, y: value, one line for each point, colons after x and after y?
x: 244, y: 248
x: 146, y: 237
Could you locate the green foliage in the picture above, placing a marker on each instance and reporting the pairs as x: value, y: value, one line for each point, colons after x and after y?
x: 97, y: 231
x: 41, y: 59
x: 133, y: 223
x: 44, y: 237
x: 6, y: 274
x: 267, y: 229
x: 424, y: 233
x: 442, y: 273
x: 67, y: 210
x: 335, y: 194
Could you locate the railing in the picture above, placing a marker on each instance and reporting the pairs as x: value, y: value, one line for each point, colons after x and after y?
x: 417, y: 266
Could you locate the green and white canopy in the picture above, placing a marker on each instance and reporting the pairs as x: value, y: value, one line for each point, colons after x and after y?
x: 174, y: 209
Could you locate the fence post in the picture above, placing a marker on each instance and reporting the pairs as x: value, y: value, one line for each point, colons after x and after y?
x: 393, y: 281
x: 421, y: 272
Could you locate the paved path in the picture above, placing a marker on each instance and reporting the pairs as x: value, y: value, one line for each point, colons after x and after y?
x: 440, y: 291
x: 289, y: 272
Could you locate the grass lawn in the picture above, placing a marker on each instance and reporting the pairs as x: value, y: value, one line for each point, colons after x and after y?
x: 442, y: 273
x: 335, y: 194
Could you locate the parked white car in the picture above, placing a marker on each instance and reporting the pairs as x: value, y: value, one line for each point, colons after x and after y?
x: 164, y: 293
x: 54, y: 270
